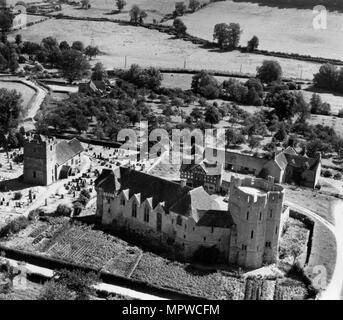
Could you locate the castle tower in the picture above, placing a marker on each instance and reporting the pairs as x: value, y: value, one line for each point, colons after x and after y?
x: 256, y: 207
x: 40, y: 160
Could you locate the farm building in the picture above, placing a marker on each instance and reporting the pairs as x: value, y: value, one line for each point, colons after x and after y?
x: 247, y: 233
x: 47, y: 160
x: 286, y: 166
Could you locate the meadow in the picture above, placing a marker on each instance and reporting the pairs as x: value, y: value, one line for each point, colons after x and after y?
x: 287, y: 30
x: 152, y: 48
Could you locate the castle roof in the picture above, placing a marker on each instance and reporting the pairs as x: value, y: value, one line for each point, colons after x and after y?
x: 216, y: 218
x: 67, y: 150
x: 210, y: 169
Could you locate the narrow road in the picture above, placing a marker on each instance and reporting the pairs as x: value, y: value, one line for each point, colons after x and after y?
x: 334, y: 289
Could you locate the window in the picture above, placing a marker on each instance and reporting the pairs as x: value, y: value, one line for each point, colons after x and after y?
x: 268, y: 244
x: 204, y: 238
x: 276, y: 230
x: 184, y: 236
x: 108, y: 200
x: 179, y: 220
x: 146, y: 214
x: 271, y: 213
x: 252, y: 234
x: 260, y: 215
x: 122, y: 201
x: 185, y: 226
x: 134, y: 209
x: 50, y: 148
x: 244, y: 247
x: 248, y: 215
x: 212, y: 229
x: 109, y: 210
x: 34, y: 174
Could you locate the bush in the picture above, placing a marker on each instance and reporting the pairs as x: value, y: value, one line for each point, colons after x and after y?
x: 337, y: 176
x: 35, y: 214
x: 17, y: 196
x: 327, y: 174
x: 14, y: 226
x: 63, y: 210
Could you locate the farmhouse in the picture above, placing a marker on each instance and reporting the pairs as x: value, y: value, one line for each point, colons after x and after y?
x: 47, y: 160
x: 286, y: 166
x: 208, y: 175
x: 246, y: 233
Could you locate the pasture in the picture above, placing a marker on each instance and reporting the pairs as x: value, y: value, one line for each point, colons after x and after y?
x: 152, y: 48
x: 286, y: 30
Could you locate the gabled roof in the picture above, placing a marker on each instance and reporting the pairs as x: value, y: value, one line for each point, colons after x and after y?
x: 107, y: 181
x: 148, y: 186
x: 216, y: 218
x: 193, y: 203
x: 300, y: 161
x: 210, y: 169
x: 67, y: 150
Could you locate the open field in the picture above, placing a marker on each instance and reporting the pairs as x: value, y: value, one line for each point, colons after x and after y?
x: 26, y: 92
x: 286, y: 30
x: 156, y: 9
x: 152, y: 48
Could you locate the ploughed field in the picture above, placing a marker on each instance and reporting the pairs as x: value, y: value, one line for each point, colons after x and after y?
x: 152, y: 48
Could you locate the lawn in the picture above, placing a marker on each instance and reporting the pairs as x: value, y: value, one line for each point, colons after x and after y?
x: 152, y: 48
x: 272, y: 26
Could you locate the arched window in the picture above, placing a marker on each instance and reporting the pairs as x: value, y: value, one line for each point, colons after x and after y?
x: 248, y: 215
x: 134, y: 209
x: 146, y: 213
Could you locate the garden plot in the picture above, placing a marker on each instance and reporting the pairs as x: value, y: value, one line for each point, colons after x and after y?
x: 269, y: 24
x: 152, y: 48
x: 76, y: 243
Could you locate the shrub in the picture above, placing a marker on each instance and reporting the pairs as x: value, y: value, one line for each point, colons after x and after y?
x: 17, y: 196
x: 327, y: 174
x: 14, y: 226
x: 63, y: 210
x: 34, y: 214
x: 337, y: 176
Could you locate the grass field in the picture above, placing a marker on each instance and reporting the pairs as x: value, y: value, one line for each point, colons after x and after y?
x: 287, y: 30
x: 152, y: 48
x: 26, y: 92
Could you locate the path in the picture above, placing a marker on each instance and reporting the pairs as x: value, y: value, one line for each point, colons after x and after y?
x: 110, y: 288
x: 334, y: 289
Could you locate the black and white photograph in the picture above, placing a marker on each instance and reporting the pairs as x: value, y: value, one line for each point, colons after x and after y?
x: 171, y: 155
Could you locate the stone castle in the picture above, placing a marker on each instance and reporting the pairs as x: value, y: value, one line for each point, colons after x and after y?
x: 246, y: 233
x: 47, y: 160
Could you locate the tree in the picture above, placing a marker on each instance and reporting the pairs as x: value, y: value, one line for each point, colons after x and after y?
x: 284, y: 103
x: 6, y: 20
x: 212, y: 115
x: 206, y: 85
x: 99, y: 73
x: 233, y: 138
x: 281, y: 133
x: 54, y: 290
x: 194, y: 5
x: 196, y: 114
x: 10, y: 109
x: 269, y: 71
x: 327, y: 77
x: 253, y: 142
x: 179, y: 26
x: 64, y: 45
x: 50, y: 44
x: 253, y: 44
x: 134, y: 14
x: 85, y: 4
x: 227, y: 35
x: 14, y: 61
x: 91, y: 52
x: 120, y: 4
x: 74, y: 65
x: 78, y: 45
x: 142, y: 16
x: 18, y: 39
x: 180, y: 8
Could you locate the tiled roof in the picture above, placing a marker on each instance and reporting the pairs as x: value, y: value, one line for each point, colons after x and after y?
x: 216, y: 218
x: 67, y: 150
x: 151, y: 186
x: 107, y: 181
